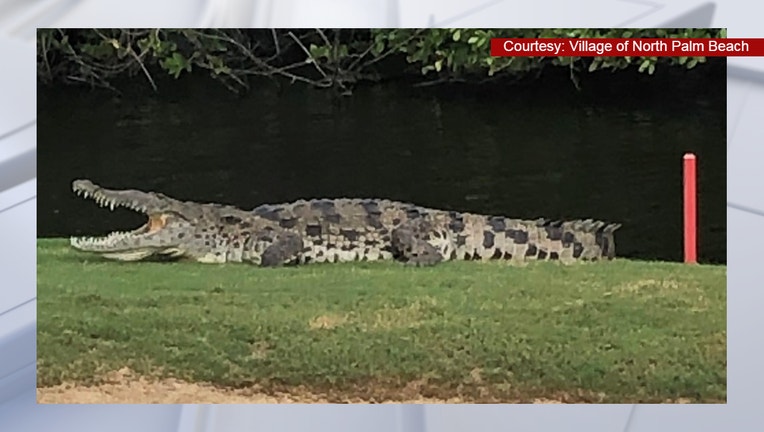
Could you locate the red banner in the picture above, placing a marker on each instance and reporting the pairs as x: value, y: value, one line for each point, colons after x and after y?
x: 627, y: 47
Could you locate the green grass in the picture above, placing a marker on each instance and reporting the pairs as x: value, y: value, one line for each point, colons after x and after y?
x: 623, y: 331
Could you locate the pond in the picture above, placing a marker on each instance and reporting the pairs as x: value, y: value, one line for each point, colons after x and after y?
x: 612, y: 150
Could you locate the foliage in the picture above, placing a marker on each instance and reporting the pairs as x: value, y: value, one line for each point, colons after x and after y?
x: 322, y: 58
x: 622, y: 331
x: 459, y: 52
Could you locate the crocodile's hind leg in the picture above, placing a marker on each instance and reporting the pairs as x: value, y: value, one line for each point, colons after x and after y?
x: 410, y: 245
x: 285, y: 249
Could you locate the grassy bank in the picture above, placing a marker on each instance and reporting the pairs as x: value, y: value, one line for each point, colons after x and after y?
x: 623, y: 331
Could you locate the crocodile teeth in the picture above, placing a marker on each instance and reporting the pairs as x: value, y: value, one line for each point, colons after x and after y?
x: 99, y: 241
x: 105, y: 201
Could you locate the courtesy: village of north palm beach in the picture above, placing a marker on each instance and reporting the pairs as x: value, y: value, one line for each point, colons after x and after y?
x: 609, y: 47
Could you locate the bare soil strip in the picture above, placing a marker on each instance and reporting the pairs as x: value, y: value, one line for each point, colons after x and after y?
x: 123, y: 386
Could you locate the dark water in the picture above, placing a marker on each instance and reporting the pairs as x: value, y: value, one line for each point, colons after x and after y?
x: 612, y: 151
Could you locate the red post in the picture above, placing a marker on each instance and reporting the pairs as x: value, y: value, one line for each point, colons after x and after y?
x: 690, y: 210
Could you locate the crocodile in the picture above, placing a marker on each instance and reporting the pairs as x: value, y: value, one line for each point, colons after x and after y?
x: 334, y: 230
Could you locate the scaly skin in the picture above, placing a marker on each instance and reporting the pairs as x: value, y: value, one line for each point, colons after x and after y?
x: 335, y: 230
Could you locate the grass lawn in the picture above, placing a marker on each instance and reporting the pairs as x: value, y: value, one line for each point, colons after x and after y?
x: 621, y: 331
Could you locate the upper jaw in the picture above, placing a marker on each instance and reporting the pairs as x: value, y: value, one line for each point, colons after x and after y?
x: 133, y: 199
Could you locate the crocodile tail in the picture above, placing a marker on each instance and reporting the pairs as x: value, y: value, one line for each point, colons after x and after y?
x: 585, y: 240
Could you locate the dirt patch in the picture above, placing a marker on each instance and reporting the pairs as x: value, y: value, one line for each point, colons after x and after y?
x: 260, y: 350
x: 385, y: 318
x: 124, y: 386
x: 176, y: 392
x: 409, y: 316
x: 649, y: 287
x: 328, y: 321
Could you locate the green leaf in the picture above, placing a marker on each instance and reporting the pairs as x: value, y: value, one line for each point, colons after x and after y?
x: 457, y: 35
x: 319, y: 52
x: 378, y: 48
x: 101, y: 50
x: 175, y: 64
x: 472, y: 40
x: 217, y: 65
x: 439, y: 65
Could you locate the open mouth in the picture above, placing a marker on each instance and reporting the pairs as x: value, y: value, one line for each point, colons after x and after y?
x: 155, y: 223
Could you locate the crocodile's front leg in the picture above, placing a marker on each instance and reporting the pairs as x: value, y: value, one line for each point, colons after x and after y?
x: 285, y: 249
x: 410, y: 246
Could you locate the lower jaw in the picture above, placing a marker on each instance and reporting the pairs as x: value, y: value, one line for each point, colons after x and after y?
x: 127, y: 255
